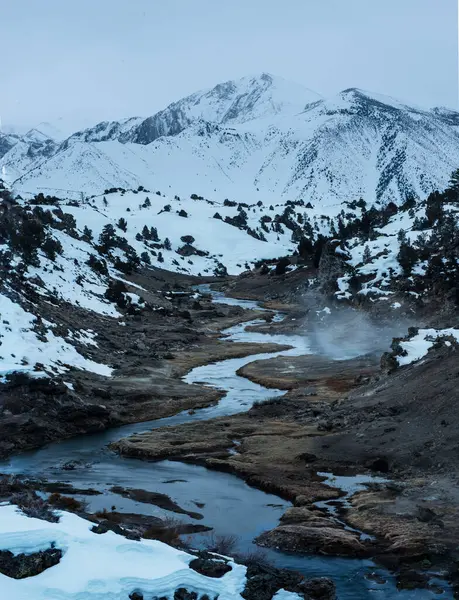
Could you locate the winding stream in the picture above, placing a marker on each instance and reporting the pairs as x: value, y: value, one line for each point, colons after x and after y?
x: 230, y: 506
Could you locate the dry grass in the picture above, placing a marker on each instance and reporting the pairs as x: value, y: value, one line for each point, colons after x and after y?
x: 67, y: 503
x: 34, y: 506
x: 222, y: 544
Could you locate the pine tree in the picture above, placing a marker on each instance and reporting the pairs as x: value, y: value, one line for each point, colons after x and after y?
x: 145, y: 258
x: 122, y: 224
x: 87, y: 234
x: 407, y: 257
x: 454, y: 181
x: 107, y: 238
x: 366, y: 255
x: 401, y: 236
x: 167, y: 244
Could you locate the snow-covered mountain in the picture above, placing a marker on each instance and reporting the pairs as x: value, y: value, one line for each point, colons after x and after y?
x: 258, y: 138
x: 7, y: 141
x: 230, y: 103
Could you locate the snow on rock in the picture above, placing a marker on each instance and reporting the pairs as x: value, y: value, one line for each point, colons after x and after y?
x: 107, y: 566
x: 418, y: 346
x: 23, y: 345
x: 284, y: 595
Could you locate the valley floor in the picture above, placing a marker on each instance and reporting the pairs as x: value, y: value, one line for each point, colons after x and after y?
x: 338, y: 418
x: 345, y: 418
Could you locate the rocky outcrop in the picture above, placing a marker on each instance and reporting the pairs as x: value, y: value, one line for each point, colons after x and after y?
x: 319, y: 588
x: 20, y: 566
x: 209, y: 565
x: 331, y: 267
x: 264, y: 581
x: 308, y: 539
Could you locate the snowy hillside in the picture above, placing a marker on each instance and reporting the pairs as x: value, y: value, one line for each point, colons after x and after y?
x: 409, y: 253
x: 77, y: 255
x: 209, y: 241
x: 50, y: 263
x: 258, y: 138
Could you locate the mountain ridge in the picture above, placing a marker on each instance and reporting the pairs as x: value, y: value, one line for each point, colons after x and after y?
x: 257, y: 137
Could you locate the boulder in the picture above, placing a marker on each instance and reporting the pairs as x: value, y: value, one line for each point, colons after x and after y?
x: 20, y: 566
x: 319, y: 588
x: 209, y: 566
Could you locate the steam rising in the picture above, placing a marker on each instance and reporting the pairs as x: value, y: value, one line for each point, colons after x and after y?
x: 347, y: 333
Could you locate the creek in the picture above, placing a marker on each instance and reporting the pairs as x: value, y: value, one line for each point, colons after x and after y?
x: 230, y: 506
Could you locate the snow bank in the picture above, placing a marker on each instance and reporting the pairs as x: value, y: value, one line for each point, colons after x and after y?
x: 102, y: 567
x: 21, y: 347
x: 418, y: 346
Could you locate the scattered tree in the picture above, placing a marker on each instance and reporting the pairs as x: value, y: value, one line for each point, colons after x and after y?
x: 122, y: 224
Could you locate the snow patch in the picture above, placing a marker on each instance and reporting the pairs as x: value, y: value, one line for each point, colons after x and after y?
x: 108, y: 566
x: 419, y: 345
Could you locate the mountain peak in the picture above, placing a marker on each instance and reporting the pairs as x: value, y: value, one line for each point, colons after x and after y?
x: 251, y: 97
x: 231, y: 102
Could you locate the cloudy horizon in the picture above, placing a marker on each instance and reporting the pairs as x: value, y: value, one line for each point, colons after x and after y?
x: 80, y: 63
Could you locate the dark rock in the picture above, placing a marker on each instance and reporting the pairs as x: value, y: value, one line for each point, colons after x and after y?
x: 307, y: 457
x: 388, y: 362
x: 106, y: 525
x: 71, y: 465
x: 376, y: 577
x: 381, y: 465
x: 189, y: 250
x: 20, y: 566
x: 319, y: 588
x: 409, y: 579
x: 210, y: 567
x: 264, y: 581
x: 184, y: 594
x: 425, y: 514
x: 135, y: 596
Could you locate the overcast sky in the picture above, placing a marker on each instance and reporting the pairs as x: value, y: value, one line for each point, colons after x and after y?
x: 92, y: 60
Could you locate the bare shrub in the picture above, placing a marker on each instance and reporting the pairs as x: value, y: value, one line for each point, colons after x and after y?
x: 34, y: 506
x: 222, y: 544
x: 168, y: 532
x: 268, y: 402
x: 109, y: 516
x: 10, y: 484
x: 254, y: 558
x: 67, y: 503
